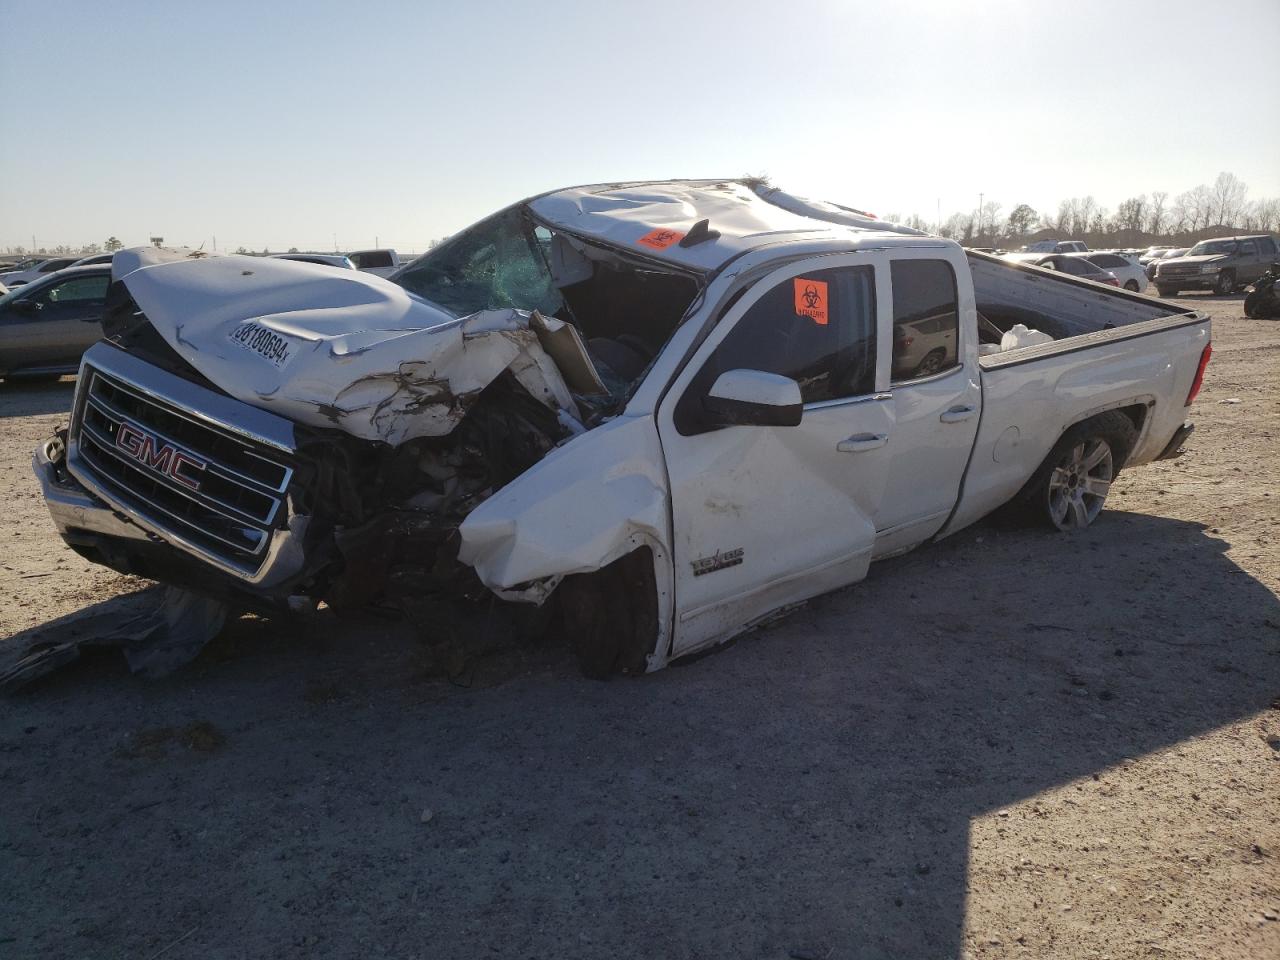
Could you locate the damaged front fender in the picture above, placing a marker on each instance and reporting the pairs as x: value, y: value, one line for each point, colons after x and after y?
x: 596, y: 499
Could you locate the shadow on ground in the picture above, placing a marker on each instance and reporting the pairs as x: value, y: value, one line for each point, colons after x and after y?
x: 29, y: 398
x: 808, y: 790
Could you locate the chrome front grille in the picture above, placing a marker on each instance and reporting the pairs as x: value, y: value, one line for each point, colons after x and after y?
x: 204, y: 486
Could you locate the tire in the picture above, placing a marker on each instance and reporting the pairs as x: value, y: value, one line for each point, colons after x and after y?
x: 1167, y: 291
x: 1131, y: 286
x: 1226, y: 283
x: 1251, y: 304
x: 1067, y: 491
x: 611, y: 615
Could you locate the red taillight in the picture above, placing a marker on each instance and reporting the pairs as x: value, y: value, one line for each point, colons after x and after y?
x: 1199, y: 380
x: 1113, y: 281
x: 904, y: 342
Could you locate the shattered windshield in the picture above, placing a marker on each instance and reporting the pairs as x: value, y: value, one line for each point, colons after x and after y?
x: 499, y: 263
x: 1209, y: 247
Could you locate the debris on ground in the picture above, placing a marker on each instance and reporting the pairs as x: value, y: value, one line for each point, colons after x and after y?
x: 154, y: 643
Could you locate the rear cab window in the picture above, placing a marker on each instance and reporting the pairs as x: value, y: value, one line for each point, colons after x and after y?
x: 926, y: 318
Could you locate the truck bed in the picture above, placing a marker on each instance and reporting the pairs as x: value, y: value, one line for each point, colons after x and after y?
x: 1112, y: 350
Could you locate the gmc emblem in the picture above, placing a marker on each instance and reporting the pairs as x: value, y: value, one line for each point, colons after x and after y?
x: 162, y: 458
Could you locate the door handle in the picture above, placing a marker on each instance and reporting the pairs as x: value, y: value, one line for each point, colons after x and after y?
x: 957, y: 414
x: 862, y: 441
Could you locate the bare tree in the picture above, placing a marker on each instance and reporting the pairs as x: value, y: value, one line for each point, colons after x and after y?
x: 1227, y: 199
x: 1131, y: 214
x: 958, y: 226
x: 988, y: 217
x: 1156, y: 211
x: 1267, y: 215
x: 1060, y: 222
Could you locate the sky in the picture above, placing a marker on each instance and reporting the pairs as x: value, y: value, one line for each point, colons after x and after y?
x: 319, y: 125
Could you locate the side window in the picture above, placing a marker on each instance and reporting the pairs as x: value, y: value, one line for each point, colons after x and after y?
x: 819, y: 329
x: 926, y: 318
x: 78, y: 290
x: 1248, y: 248
x: 1267, y: 245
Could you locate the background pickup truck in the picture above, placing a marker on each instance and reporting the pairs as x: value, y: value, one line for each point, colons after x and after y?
x: 661, y: 410
x: 1223, y: 266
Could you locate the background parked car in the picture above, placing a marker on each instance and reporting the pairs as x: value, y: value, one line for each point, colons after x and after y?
x: 93, y: 260
x: 1058, y: 246
x: 382, y: 263
x: 1123, y: 268
x: 45, y: 325
x: 1152, y: 253
x: 324, y: 259
x: 1076, y: 264
x: 18, y: 277
x: 1154, y: 262
x: 1223, y: 266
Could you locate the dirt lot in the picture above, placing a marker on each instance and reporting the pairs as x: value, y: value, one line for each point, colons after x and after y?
x: 1010, y: 744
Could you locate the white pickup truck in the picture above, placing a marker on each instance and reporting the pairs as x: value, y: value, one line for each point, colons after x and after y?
x: 662, y: 410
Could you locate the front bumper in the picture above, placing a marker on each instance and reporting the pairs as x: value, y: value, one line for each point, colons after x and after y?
x: 101, y: 534
x: 1192, y: 281
x: 78, y: 514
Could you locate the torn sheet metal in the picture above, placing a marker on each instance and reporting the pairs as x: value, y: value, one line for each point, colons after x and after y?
x: 338, y: 349
x: 154, y: 643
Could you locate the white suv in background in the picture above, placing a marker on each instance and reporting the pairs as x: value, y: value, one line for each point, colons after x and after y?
x: 381, y: 263
x: 1125, y: 267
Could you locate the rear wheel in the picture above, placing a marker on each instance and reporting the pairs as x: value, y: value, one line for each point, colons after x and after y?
x: 1131, y: 286
x: 1226, y: 283
x: 1069, y: 489
x: 1251, y: 303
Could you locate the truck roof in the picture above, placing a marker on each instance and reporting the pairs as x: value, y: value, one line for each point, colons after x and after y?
x: 660, y: 218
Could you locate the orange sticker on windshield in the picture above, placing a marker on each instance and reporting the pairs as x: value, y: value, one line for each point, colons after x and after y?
x: 660, y: 239
x: 811, y: 299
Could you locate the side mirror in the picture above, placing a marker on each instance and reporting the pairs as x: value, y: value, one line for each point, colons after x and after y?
x: 754, y: 398
x: 26, y: 308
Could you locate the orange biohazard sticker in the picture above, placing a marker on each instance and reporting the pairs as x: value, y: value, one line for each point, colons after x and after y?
x: 660, y: 239
x: 811, y: 299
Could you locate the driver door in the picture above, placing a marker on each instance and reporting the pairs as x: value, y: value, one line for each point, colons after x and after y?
x: 764, y: 516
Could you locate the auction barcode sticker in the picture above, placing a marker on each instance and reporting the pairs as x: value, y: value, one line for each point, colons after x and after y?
x: 267, y: 344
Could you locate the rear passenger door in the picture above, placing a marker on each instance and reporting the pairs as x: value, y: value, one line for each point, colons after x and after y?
x: 1251, y: 267
x: 936, y: 399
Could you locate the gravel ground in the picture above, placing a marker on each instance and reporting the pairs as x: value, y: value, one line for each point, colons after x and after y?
x: 1009, y: 744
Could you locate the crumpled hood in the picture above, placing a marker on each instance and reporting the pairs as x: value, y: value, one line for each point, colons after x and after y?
x: 333, y: 348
